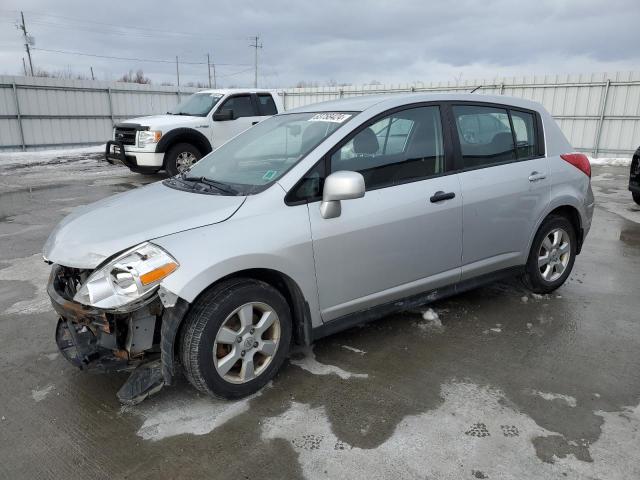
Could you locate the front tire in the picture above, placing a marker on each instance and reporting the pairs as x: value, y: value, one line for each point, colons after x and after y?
x: 181, y: 157
x: 636, y: 197
x: 552, y: 255
x: 235, y: 338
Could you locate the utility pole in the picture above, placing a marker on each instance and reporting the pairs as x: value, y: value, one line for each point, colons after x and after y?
x: 209, y: 69
x: 92, y: 76
x: 24, y: 67
x: 177, y: 72
x: 27, y: 41
x: 255, y: 45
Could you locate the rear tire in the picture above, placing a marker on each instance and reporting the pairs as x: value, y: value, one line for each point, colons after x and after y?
x: 235, y: 338
x: 636, y: 197
x: 180, y: 157
x: 552, y: 255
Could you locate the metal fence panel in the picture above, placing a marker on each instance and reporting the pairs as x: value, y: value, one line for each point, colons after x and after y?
x: 599, y: 113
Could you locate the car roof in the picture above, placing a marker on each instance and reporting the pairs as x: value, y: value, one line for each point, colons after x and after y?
x: 225, y: 91
x: 364, y: 102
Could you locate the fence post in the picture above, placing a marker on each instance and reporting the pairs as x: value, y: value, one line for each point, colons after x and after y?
x: 603, y: 107
x: 110, y: 106
x: 15, y: 95
x: 502, y: 88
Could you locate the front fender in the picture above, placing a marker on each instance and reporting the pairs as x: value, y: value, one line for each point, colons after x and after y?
x: 257, y: 237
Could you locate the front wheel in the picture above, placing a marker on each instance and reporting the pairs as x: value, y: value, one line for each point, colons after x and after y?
x: 180, y: 158
x: 235, y: 338
x: 552, y: 255
x: 636, y: 197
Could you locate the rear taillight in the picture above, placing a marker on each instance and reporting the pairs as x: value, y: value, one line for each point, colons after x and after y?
x: 578, y: 160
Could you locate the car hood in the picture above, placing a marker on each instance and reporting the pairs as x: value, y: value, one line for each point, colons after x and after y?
x: 164, y: 121
x: 95, y: 232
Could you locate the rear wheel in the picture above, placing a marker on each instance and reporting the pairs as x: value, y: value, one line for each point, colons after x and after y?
x: 235, y: 338
x: 552, y: 255
x: 181, y: 157
x: 636, y: 197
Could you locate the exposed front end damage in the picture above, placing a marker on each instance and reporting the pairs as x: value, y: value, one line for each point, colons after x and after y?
x: 139, y: 338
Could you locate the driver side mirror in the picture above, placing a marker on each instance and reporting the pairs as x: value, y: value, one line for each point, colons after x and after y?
x: 224, y: 115
x: 342, y: 185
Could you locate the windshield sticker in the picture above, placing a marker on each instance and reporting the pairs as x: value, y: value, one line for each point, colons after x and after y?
x: 270, y: 174
x: 330, y: 117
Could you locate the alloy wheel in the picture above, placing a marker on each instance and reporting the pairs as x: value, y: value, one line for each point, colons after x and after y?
x: 185, y: 160
x: 554, y: 254
x: 246, y: 342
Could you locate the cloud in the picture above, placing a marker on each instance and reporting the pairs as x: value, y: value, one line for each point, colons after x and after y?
x: 353, y: 42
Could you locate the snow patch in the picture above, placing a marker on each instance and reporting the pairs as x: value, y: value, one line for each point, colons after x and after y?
x: 353, y: 349
x: 611, y: 161
x: 482, y: 433
x: 30, y: 269
x: 26, y: 158
x: 39, y: 395
x: 309, y: 363
x: 524, y: 299
x: 496, y: 329
x: 195, y: 416
x: 568, y: 399
x: 430, y: 316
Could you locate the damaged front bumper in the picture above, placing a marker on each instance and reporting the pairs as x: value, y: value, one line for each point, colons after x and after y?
x: 140, y: 338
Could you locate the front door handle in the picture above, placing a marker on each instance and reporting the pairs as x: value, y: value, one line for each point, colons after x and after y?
x: 254, y: 123
x: 439, y: 196
x: 535, y: 176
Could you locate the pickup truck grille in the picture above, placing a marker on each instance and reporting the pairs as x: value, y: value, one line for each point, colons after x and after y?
x: 125, y: 135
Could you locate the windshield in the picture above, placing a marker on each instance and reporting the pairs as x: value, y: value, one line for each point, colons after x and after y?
x: 197, y: 105
x: 264, y: 153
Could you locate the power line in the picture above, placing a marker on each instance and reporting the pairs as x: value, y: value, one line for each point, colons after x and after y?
x: 131, y: 59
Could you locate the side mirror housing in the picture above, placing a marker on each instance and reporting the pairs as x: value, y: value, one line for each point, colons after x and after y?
x: 342, y: 185
x: 223, y: 115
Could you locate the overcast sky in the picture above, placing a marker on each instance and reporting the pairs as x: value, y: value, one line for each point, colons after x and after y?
x: 331, y: 40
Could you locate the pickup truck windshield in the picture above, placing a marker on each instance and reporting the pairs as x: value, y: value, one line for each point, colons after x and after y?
x: 197, y: 105
x: 264, y: 153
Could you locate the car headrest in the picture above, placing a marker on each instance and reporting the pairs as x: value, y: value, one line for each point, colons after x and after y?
x: 365, y: 142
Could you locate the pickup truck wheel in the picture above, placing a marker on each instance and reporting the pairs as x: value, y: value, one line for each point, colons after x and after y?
x: 235, y: 338
x: 180, y: 157
x: 636, y: 197
x: 552, y: 255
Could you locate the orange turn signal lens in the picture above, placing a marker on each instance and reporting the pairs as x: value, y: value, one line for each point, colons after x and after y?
x: 158, y: 274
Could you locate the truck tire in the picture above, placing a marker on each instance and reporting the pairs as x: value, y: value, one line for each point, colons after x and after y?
x: 235, y: 338
x: 636, y: 197
x: 180, y: 157
x: 552, y: 255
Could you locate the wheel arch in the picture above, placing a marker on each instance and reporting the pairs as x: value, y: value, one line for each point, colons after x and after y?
x: 184, y: 135
x: 300, y: 312
x: 571, y: 213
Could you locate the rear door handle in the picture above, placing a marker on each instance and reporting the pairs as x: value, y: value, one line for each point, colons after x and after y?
x: 535, y: 176
x: 439, y: 196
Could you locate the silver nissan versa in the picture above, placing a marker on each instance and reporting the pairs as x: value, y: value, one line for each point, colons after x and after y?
x: 311, y: 222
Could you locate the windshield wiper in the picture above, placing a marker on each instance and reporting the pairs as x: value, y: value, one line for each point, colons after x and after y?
x: 223, y: 187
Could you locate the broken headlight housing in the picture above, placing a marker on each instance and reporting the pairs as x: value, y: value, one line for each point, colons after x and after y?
x: 131, y: 276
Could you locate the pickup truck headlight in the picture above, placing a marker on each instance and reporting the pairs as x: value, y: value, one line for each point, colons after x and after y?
x: 148, y: 137
x: 129, y: 277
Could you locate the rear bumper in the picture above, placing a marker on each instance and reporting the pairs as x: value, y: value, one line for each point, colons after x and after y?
x: 117, y: 153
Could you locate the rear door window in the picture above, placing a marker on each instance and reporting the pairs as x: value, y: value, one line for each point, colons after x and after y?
x: 485, y: 135
x: 241, y: 105
x: 266, y: 104
x: 525, y: 132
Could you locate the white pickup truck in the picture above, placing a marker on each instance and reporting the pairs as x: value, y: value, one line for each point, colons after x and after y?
x: 176, y: 140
